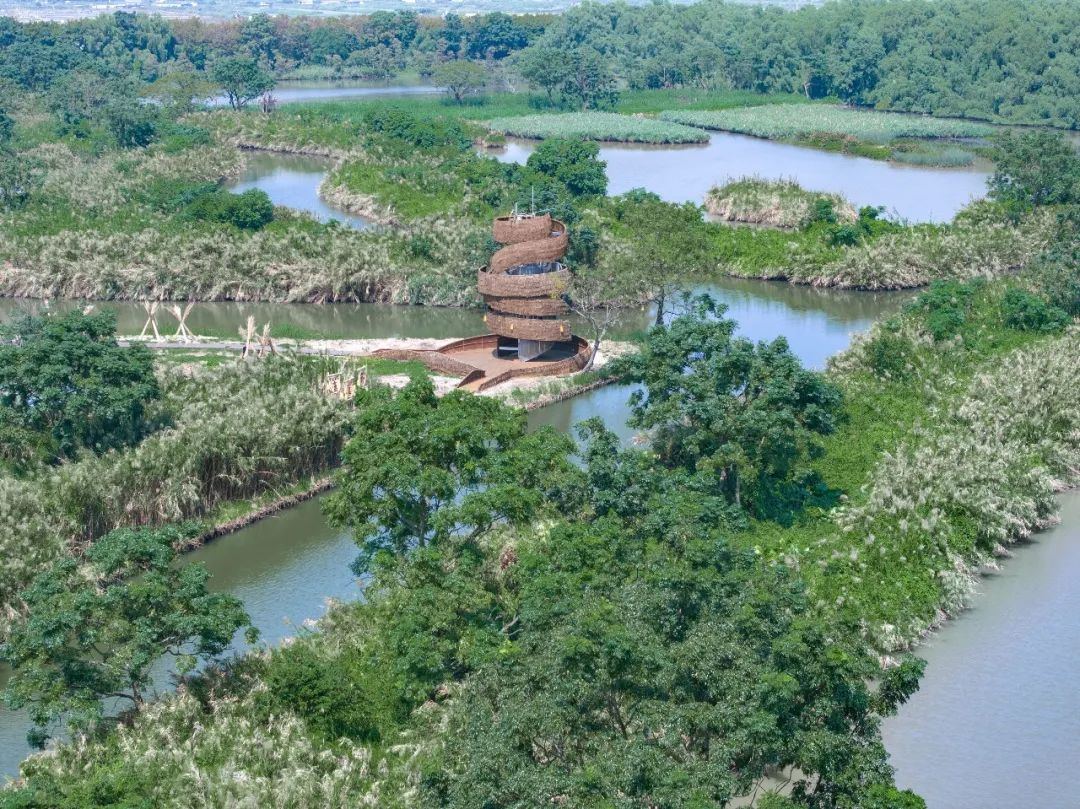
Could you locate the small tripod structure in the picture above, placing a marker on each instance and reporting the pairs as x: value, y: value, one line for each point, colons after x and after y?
x: 265, y: 343
x: 151, y: 308
x: 268, y: 103
x: 183, y: 332
x: 251, y: 337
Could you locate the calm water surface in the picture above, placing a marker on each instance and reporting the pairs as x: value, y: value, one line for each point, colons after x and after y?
x: 686, y: 173
x: 293, y: 181
x: 996, y: 723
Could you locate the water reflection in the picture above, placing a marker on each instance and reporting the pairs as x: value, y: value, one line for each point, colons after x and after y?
x: 293, y: 181
x: 686, y: 173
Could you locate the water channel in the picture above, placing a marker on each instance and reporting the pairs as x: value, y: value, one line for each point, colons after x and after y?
x: 284, y: 568
x: 995, y: 723
x: 686, y: 173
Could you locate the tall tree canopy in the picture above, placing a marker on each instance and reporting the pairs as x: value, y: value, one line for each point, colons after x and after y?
x: 94, y: 632
x: 66, y: 386
x: 420, y: 470
x: 745, y: 415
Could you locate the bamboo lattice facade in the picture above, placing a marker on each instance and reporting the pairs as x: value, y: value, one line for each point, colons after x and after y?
x: 524, y: 283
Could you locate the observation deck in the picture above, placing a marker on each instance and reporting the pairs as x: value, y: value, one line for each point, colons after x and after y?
x: 524, y: 283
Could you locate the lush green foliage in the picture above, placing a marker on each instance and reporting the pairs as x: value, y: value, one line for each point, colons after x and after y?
x: 241, y: 80
x: 94, y: 634
x: 460, y: 78
x: 420, y: 470
x: 744, y: 417
x: 66, y: 386
x: 596, y: 126
x: 575, y: 164
x: 1035, y: 168
x: 788, y: 122
x: 652, y: 662
x: 240, y: 431
x: 249, y: 210
x: 931, y: 57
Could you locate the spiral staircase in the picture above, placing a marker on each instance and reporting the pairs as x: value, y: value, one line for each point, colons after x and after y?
x: 523, y: 286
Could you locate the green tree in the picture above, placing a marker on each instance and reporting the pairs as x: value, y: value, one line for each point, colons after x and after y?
x: 248, y: 210
x: 65, y: 378
x: 664, y: 246
x: 1035, y: 168
x: 131, y: 122
x: 7, y: 126
x: 178, y: 90
x: 744, y: 416
x: 242, y: 80
x: 668, y: 674
x: 574, y: 163
x: 93, y: 631
x: 421, y: 469
x: 460, y: 78
x: 588, y: 83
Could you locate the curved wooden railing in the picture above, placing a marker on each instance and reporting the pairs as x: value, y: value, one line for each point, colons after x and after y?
x: 514, y: 229
x: 528, y: 328
x: 549, y: 248
x: 528, y: 307
x: 545, y: 285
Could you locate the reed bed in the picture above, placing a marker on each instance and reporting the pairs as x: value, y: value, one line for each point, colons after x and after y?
x: 971, y: 247
x: 316, y: 265
x: 976, y: 474
x: 225, y: 752
x: 607, y: 126
x: 774, y: 203
x: 241, y: 430
x: 791, y: 122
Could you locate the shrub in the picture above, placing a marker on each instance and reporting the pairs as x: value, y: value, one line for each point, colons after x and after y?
x: 944, y: 307
x: 250, y: 210
x: 180, y: 137
x: 1026, y: 311
x: 323, y: 690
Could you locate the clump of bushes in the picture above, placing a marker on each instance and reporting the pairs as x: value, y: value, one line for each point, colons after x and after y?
x: 1027, y: 311
x: 944, y: 307
x: 249, y: 210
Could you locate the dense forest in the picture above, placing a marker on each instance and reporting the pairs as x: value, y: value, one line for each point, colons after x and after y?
x: 989, y: 59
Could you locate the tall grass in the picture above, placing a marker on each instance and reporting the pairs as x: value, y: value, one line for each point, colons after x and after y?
x: 606, y: 126
x: 783, y: 122
x: 240, y: 430
x: 776, y: 203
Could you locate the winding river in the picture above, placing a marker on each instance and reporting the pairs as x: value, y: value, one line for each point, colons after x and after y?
x: 285, y: 567
x: 996, y: 722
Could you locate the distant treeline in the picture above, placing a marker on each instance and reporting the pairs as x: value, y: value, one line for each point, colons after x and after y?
x: 992, y: 59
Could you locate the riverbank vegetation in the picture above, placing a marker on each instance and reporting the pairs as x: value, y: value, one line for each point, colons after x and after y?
x: 597, y: 126
x: 908, y: 138
x: 775, y: 203
x: 157, y: 450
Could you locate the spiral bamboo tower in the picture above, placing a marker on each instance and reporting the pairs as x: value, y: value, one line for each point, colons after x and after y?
x: 528, y: 334
x: 524, y: 283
